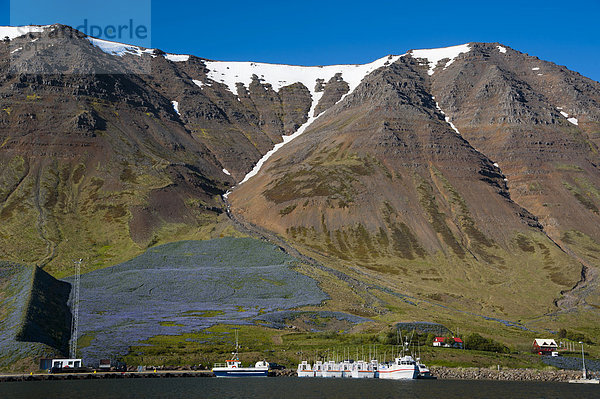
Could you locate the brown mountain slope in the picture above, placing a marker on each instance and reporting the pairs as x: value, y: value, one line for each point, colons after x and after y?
x: 515, y: 109
x: 98, y: 162
x: 381, y: 182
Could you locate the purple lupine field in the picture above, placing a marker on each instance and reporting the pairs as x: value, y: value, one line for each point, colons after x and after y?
x: 187, y: 286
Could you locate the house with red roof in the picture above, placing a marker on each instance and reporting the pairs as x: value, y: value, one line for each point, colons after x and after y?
x: 448, y: 342
x: 544, y: 346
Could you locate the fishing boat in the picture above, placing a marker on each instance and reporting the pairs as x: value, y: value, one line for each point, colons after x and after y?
x: 404, y: 368
x: 233, y: 367
x: 331, y: 369
x: 318, y: 368
x: 346, y: 368
x: 305, y: 369
x: 362, y: 369
x: 424, y: 372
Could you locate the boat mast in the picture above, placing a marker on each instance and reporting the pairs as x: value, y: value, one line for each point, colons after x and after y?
x: 237, y: 346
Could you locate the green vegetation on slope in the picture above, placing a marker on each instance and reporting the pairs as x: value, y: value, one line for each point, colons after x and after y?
x: 34, y: 317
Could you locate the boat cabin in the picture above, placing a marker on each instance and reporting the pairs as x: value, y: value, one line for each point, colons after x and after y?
x: 361, y: 365
x: 304, y: 366
x: 331, y: 366
x: 405, y: 361
x: 346, y: 365
x: 319, y: 366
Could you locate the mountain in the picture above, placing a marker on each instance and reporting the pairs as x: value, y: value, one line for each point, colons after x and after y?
x: 387, y: 181
x: 449, y: 185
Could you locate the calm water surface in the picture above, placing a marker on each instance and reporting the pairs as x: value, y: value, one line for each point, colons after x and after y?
x: 303, y: 388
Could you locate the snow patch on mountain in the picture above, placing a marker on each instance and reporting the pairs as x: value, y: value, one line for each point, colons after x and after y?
x: 12, y: 32
x: 573, y: 120
x: 433, y: 56
x: 226, y: 172
x: 118, y: 49
x: 535, y: 69
x: 495, y: 164
x: 286, y: 139
x: 176, y: 107
x: 502, y: 49
x: 446, y: 118
x: 278, y: 75
x: 177, y: 57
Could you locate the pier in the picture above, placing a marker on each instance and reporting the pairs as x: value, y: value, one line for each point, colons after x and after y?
x: 105, y: 375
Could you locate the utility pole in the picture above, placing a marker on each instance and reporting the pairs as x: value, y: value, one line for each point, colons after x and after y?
x: 75, y: 310
x: 583, y: 358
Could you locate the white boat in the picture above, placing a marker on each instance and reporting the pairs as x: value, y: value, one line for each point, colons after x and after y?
x: 404, y: 368
x: 233, y: 367
x: 585, y: 381
x: 305, y: 370
x: 346, y: 368
x: 331, y: 369
x: 362, y: 369
x: 318, y: 369
x: 424, y: 372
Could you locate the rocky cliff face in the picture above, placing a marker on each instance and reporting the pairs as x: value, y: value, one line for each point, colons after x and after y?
x: 438, y: 172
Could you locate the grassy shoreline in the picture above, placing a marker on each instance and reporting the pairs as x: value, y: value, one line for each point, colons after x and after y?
x: 290, y: 347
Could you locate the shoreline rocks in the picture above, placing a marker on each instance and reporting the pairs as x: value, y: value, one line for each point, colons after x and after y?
x: 502, y: 374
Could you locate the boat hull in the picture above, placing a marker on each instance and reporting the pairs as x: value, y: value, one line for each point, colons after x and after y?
x: 240, y: 372
x: 332, y: 374
x: 398, y: 374
x: 362, y: 374
x: 582, y: 381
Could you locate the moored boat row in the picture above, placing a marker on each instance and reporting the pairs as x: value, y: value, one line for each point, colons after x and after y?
x: 402, y: 368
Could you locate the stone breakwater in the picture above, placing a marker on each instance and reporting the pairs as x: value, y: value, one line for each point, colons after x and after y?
x: 474, y: 373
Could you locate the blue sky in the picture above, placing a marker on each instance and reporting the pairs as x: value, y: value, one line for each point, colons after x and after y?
x: 330, y: 32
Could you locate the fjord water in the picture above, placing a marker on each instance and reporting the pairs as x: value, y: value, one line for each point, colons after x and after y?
x: 291, y: 388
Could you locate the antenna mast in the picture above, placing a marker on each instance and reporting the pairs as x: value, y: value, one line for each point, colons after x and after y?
x: 75, y: 310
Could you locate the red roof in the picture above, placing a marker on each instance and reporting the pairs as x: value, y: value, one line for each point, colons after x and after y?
x: 442, y: 339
